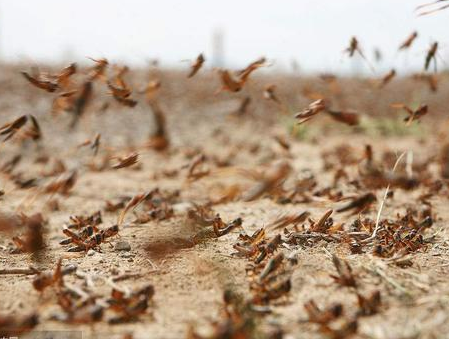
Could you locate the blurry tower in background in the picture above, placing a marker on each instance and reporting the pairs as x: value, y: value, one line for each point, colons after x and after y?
x: 218, y: 59
x: 356, y: 65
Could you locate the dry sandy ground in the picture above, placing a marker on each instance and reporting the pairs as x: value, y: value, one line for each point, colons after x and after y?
x: 189, y: 281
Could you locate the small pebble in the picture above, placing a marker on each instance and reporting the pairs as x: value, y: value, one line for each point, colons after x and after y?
x: 122, y: 246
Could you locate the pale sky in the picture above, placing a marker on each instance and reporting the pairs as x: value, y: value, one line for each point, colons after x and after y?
x: 314, y: 32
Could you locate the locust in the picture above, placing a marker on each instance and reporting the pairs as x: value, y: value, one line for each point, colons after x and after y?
x: 345, y: 276
x: 409, y: 41
x: 46, y: 279
x: 33, y: 239
x: 235, y: 82
x: 431, y: 55
x: 354, y: 47
x: 159, y: 140
x: 11, y: 128
x: 129, y: 306
x: 319, y: 316
x: 94, y: 241
x: 98, y: 70
x: 220, y: 228
x: 413, y: 114
x: 437, y: 9
x: 127, y: 161
x: 14, y: 326
x: 313, y: 109
x: 387, y: 78
x: 196, y: 65
x: 359, y: 204
x: 269, y: 94
x: 46, y: 85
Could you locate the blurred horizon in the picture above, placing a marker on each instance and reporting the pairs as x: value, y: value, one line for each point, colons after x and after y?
x: 309, y: 34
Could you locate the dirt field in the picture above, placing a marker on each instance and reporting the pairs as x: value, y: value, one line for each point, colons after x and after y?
x: 326, y: 165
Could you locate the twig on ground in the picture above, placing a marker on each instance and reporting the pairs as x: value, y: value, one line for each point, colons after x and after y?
x: 26, y: 271
x: 379, y: 213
